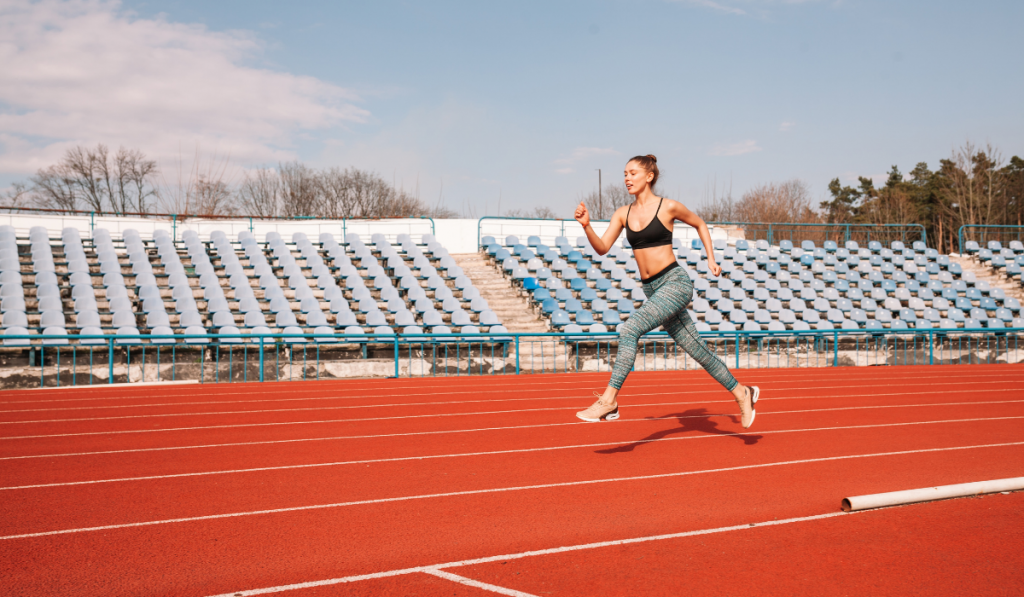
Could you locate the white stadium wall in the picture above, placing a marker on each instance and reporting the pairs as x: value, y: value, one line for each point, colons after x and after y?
x: 457, y: 235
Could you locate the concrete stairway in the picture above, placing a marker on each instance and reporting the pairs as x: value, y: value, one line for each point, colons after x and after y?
x: 985, y: 273
x: 511, y: 308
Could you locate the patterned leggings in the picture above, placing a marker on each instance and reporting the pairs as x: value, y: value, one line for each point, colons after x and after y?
x: 667, y: 299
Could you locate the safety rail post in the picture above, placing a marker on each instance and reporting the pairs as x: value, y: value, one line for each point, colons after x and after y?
x: 261, y: 358
x: 931, y: 347
x: 92, y: 223
x: 395, y: 342
x: 174, y: 227
x: 737, y: 349
x: 835, y: 348
x: 517, y: 354
x: 251, y: 229
x: 110, y: 361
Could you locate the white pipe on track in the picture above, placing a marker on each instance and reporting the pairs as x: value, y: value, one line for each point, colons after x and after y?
x: 942, y: 492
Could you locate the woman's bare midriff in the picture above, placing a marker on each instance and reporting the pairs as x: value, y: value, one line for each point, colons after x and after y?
x: 653, y: 260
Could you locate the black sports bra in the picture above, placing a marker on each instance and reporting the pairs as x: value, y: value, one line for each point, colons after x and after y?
x: 654, y: 235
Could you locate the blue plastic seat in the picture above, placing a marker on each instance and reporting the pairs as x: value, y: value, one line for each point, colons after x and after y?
x: 584, y: 317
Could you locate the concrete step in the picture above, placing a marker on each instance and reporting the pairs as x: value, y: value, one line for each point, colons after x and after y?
x: 996, y: 279
x: 513, y: 309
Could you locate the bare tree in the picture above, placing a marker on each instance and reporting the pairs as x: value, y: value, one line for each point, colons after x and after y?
x: 602, y: 205
x: 132, y: 174
x: 337, y: 193
x: 204, y: 190
x: 55, y: 187
x: 538, y: 213
x: 91, y: 172
x: 776, y: 202
x: 891, y: 206
x: 92, y: 179
x: 300, y: 194
x: 974, y: 186
x: 260, y: 193
x: 715, y: 205
x: 17, y: 196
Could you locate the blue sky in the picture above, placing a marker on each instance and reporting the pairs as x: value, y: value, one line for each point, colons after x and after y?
x: 469, y: 101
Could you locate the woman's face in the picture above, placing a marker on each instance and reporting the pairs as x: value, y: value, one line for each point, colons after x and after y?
x: 637, y: 178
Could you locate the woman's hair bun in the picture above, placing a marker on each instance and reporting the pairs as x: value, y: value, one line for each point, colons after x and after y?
x: 653, y: 159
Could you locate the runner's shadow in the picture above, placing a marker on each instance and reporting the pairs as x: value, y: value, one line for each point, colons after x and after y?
x: 694, y: 420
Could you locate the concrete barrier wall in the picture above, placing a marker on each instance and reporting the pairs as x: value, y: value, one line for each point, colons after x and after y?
x: 458, y: 235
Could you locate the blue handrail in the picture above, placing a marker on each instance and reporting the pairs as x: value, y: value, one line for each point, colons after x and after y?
x: 272, y: 344
x: 960, y: 233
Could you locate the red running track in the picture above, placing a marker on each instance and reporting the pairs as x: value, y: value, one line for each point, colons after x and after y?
x: 202, y: 490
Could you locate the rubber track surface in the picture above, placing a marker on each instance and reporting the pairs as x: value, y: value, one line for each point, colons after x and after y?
x: 202, y: 490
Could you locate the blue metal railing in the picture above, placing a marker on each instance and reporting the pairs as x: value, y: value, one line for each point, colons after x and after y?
x: 1008, y: 233
x: 772, y: 232
x: 545, y: 228
x: 217, y: 358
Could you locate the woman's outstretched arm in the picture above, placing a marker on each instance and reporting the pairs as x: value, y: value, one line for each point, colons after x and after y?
x: 602, y: 244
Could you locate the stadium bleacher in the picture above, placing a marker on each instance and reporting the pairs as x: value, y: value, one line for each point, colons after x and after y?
x: 1006, y: 261
x: 763, y: 287
x: 229, y: 291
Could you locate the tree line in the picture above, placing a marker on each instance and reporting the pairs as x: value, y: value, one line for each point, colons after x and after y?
x: 973, y: 186
x: 126, y: 182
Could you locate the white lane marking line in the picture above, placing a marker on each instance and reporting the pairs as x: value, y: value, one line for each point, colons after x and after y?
x: 495, y: 490
x: 387, y: 435
x: 326, y: 421
x: 490, y: 453
x: 407, y: 404
x: 469, y: 582
x: 529, y: 554
x: 528, y: 385
x: 427, y: 415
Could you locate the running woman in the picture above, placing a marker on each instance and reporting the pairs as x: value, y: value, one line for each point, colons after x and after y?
x: 668, y: 288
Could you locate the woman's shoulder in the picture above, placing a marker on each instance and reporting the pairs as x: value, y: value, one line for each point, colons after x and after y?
x: 672, y: 206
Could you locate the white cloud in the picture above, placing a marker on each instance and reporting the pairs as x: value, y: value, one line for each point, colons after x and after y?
x: 564, y: 171
x: 582, y: 153
x: 87, y: 72
x: 731, y: 149
x: 785, y: 126
x: 755, y: 8
x: 717, y: 6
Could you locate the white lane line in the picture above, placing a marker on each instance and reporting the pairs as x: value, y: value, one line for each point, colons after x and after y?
x: 496, y: 490
x: 527, y: 385
x: 562, y: 396
x: 326, y: 421
x: 511, y: 427
x: 491, y: 453
x: 469, y: 582
x: 932, y: 390
x: 529, y: 554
